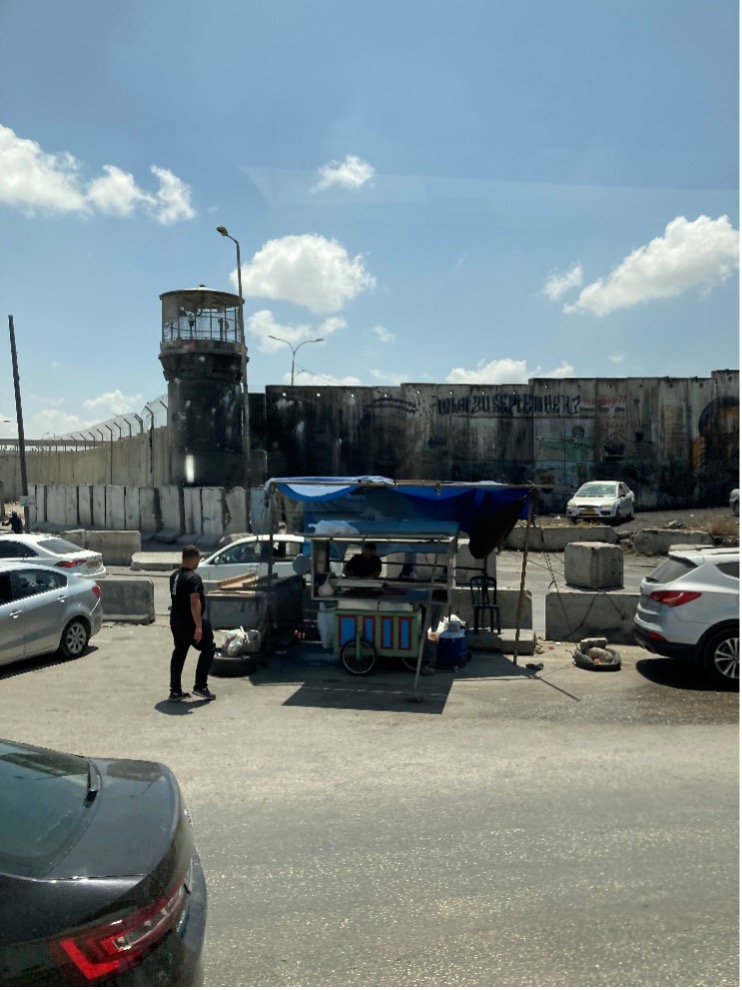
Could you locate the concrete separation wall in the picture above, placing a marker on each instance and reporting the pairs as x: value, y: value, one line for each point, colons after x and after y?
x: 574, y: 615
x: 128, y: 600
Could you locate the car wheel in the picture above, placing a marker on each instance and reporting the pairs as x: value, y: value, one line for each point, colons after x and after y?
x: 74, y: 639
x: 721, y: 656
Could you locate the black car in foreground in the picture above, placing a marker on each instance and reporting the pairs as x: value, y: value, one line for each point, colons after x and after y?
x: 100, y: 881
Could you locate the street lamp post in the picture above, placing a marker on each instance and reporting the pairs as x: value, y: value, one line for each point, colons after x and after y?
x: 317, y: 340
x: 245, y: 400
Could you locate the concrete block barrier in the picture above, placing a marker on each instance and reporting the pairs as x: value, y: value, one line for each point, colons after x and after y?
x: 128, y: 600
x: 656, y: 542
x: 575, y: 615
x: 117, y: 546
x: 593, y: 565
x: 554, y: 539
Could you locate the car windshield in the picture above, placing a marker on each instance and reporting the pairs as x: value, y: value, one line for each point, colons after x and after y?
x: 597, y: 489
x: 43, y: 795
x: 55, y: 545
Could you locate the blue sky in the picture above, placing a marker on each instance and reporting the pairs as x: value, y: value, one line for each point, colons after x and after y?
x: 471, y: 191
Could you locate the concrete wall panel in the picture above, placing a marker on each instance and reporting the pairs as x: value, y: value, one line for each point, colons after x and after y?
x: 149, y: 510
x: 99, y: 506
x: 115, y: 508
x: 56, y: 505
x: 71, y: 507
x: 85, y: 506
x: 132, y: 512
x: 171, y: 508
x: 235, y: 511
x: 192, y: 513
x: 212, y: 511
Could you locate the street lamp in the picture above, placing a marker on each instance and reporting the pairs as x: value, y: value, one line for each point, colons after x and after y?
x: 317, y: 340
x: 246, y: 402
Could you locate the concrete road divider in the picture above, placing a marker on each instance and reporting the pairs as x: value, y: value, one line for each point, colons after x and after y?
x: 128, y: 600
x: 573, y: 615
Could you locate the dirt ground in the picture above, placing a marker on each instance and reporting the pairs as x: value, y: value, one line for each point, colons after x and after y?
x: 718, y: 522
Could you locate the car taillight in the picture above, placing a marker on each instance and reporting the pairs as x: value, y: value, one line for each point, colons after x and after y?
x: 119, y: 945
x: 96, y: 590
x: 70, y: 563
x: 674, y: 598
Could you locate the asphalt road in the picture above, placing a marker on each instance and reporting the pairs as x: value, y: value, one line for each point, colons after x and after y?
x: 566, y: 828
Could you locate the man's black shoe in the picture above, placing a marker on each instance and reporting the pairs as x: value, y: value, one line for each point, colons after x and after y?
x: 178, y: 696
x: 204, y: 693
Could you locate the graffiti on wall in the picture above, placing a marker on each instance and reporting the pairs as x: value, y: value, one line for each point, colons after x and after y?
x: 507, y: 404
x: 714, y: 452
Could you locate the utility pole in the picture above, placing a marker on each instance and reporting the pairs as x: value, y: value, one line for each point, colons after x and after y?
x: 21, y: 437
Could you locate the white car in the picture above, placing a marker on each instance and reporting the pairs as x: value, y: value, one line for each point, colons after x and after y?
x: 734, y: 501
x: 612, y: 501
x: 45, y: 609
x: 52, y: 551
x: 250, y: 555
x: 689, y: 609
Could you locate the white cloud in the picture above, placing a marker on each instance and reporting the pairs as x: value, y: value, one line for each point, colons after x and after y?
x: 311, y: 378
x: 505, y: 371
x: 690, y: 253
x: 173, y: 198
x: 353, y: 173
x: 116, y: 193
x: 384, y: 335
x: 556, y: 285
x: 112, y: 404
x: 306, y: 269
x: 33, y: 179
x: 617, y: 358
x: 390, y: 377
x: 264, y: 326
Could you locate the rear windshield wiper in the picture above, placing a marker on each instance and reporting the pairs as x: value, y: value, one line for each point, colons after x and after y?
x: 93, y: 783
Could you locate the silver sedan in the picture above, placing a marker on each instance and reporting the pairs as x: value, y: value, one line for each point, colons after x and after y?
x: 43, y: 610
x: 44, y: 548
x: 611, y: 501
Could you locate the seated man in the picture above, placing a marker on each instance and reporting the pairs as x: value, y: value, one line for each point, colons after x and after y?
x: 365, y: 564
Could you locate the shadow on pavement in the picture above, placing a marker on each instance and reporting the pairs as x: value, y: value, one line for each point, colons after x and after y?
x: 186, y: 707
x: 684, y: 675
x: 389, y: 687
x: 40, y: 663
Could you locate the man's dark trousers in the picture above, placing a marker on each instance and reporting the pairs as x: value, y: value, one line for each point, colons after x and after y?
x: 183, y: 640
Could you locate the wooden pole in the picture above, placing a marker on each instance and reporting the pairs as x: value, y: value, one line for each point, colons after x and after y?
x: 522, y: 580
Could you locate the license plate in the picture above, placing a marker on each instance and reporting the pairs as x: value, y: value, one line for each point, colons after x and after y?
x: 591, y: 512
x: 92, y: 563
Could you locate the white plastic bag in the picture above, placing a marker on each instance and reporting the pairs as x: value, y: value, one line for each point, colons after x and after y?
x: 234, y: 642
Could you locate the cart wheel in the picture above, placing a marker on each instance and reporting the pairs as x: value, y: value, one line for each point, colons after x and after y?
x: 411, y: 663
x: 358, y: 656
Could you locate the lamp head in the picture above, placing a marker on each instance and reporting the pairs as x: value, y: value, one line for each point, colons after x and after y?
x: 223, y: 231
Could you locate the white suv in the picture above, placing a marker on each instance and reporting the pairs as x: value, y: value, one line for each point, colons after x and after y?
x: 689, y: 609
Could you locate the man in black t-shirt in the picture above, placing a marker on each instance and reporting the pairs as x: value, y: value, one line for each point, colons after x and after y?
x: 188, y: 626
x: 365, y: 564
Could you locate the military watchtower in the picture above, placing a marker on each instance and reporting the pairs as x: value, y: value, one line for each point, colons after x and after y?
x: 204, y: 360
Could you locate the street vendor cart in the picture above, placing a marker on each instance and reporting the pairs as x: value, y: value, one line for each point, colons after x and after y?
x: 388, y: 615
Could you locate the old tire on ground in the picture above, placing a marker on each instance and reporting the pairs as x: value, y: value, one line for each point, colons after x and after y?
x: 74, y: 639
x: 586, y: 662
x: 358, y: 656
x: 721, y: 656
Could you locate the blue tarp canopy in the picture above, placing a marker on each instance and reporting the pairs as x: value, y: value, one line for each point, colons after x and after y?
x: 485, y: 510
